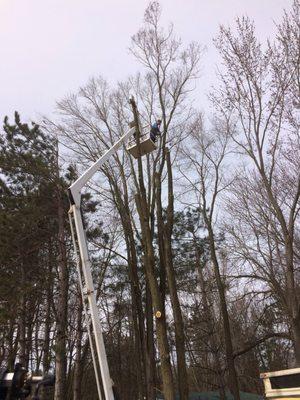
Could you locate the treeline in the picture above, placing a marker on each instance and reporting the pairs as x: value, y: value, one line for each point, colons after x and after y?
x: 194, y: 247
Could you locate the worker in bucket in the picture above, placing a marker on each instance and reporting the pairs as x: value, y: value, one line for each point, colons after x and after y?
x: 155, y: 130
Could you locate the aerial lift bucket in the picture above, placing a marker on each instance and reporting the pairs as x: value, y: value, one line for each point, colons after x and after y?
x: 146, y: 146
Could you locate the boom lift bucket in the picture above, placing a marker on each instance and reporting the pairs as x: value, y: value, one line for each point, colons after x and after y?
x: 146, y: 145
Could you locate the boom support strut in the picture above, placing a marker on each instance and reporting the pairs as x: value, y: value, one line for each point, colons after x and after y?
x: 84, y: 271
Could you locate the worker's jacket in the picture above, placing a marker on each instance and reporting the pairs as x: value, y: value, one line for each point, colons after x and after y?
x: 154, y: 131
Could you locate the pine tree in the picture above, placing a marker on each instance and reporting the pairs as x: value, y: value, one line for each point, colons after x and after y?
x: 26, y: 180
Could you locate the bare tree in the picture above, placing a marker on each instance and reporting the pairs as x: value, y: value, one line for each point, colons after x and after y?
x: 206, y: 154
x: 260, y: 93
x: 94, y: 119
x: 173, y: 71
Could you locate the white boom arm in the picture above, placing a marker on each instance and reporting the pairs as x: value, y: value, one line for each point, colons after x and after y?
x: 84, y: 270
x: 76, y: 187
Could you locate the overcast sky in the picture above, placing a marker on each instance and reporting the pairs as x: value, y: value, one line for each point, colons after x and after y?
x: 49, y: 48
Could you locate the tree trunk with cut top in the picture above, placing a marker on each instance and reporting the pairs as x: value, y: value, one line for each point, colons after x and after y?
x: 165, y: 234
x: 149, y: 262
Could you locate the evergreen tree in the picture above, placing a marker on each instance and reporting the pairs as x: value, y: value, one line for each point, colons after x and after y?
x: 27, y: 226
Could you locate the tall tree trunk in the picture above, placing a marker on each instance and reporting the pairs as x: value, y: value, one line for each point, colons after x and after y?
x: 161, y: 328
x: 136, y: 295
x: 13, y: 345
x: 22, y: 320
x: 137, y: 312
x: 295, y: 324
x: 62, y: 302
x: 233, y: 381
x: 37, y: 348
x: 207, y: 306
x: 78, y: 367
x: 150, y: 354
x: 29, y: 334
x: 46, y: 341
x: 149, y: 261
x: 165, y: 231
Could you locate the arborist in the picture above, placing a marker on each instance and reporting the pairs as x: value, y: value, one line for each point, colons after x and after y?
x: 155, y: 130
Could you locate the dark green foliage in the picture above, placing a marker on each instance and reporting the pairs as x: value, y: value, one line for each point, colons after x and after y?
x: 27, y: 215
x: 189, y: 245
x: 27, y: 168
